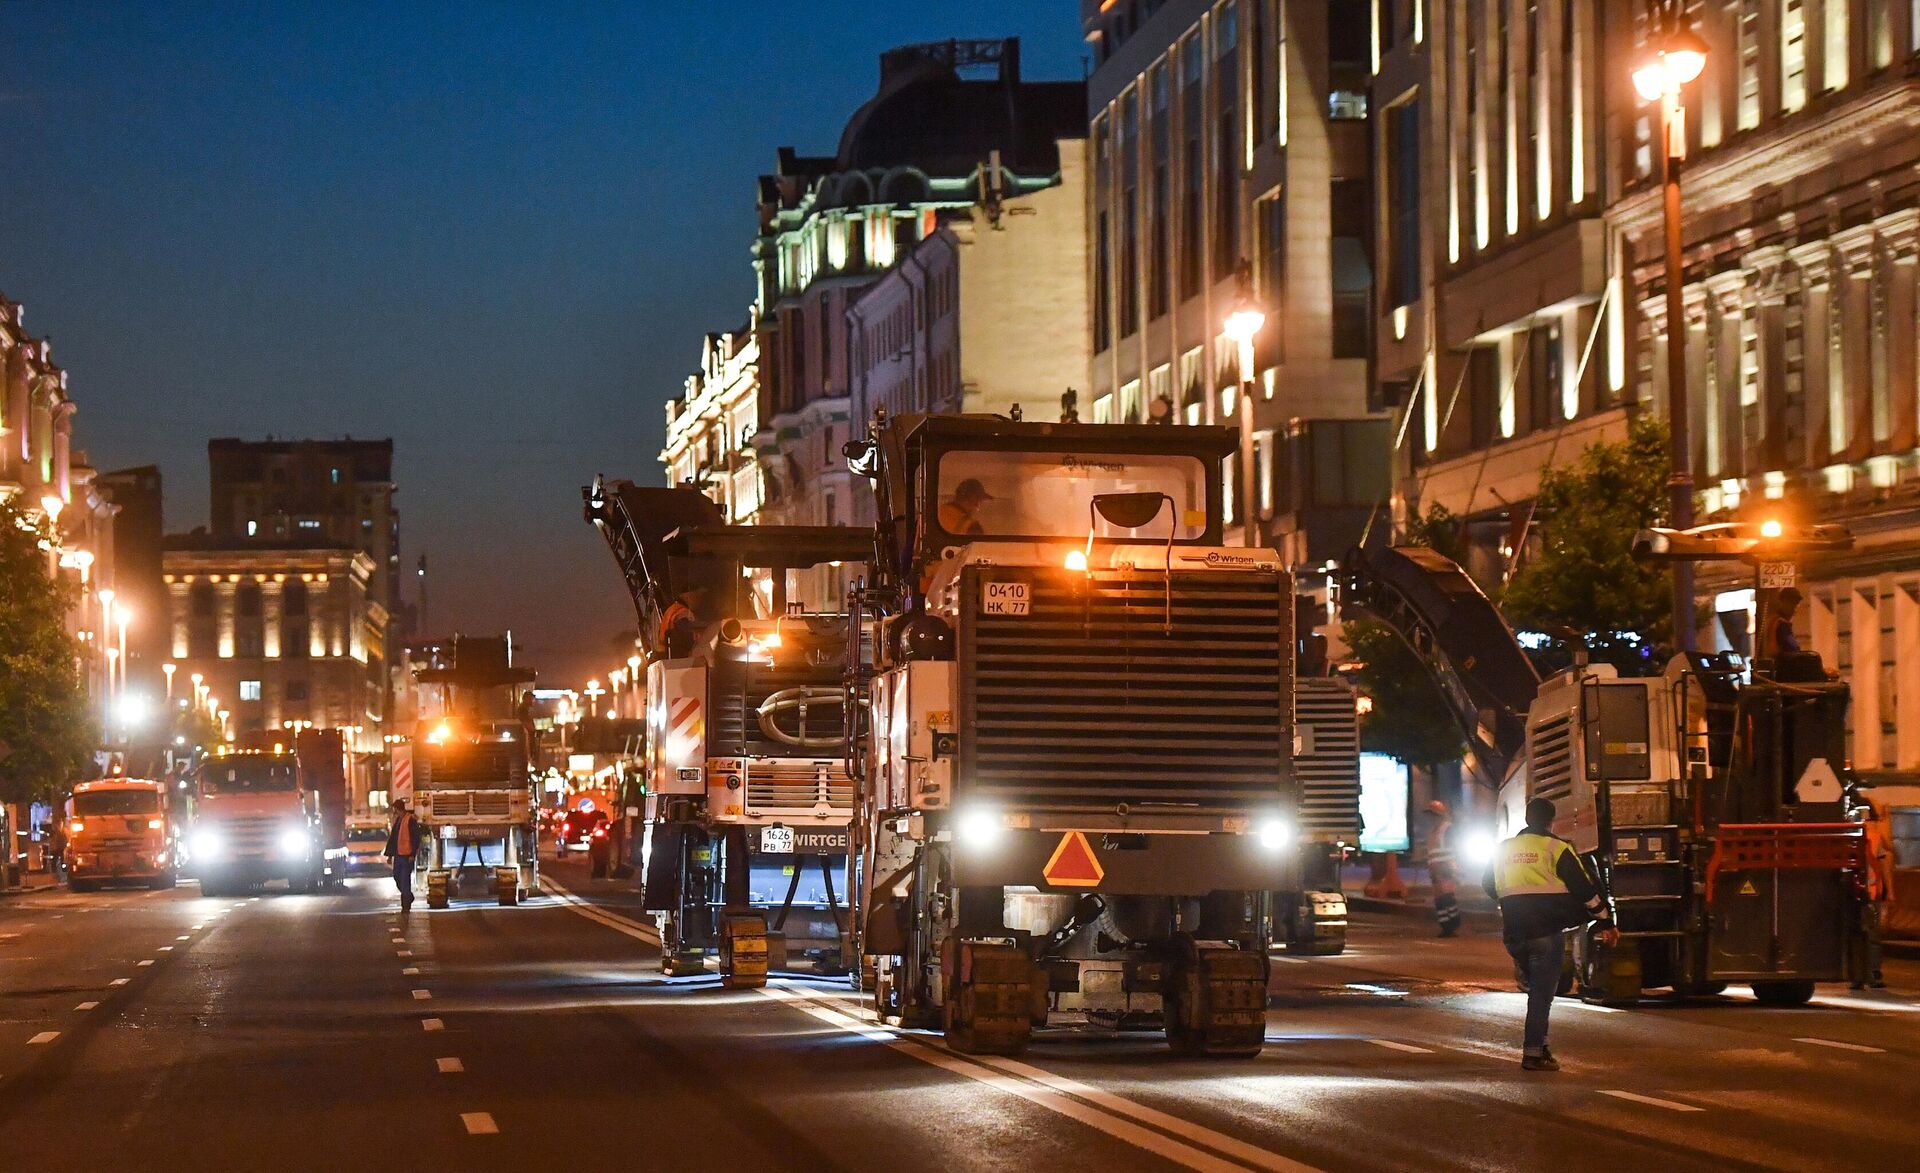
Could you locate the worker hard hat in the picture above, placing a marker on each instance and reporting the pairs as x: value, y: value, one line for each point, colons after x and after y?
x: 971, y: 490
x: 1437, y: 807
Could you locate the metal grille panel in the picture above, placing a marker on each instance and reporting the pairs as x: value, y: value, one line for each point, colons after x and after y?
x: 798, y: 787
x: 1328, y: 769
x: 1089, y: 701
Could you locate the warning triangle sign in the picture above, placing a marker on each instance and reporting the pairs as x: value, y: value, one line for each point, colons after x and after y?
x: 1072, y: 864
x: 1747, y: 888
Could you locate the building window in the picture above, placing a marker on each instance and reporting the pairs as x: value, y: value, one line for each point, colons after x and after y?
x: 1191, y: 390
x: 1349, y: 32
x: 1793, y: 55
x: 1131, y: 411
x: 296, y: 690
x: 1403, y: 203
x: 1161, y: 213
x: 1271, y: 217
x: 1102, y: 285
x: 253, y: 528
x: 1352, y: 266
x: 1836, y: 39
x: 1226, y: 142
x: 1192, y: 169
x: 309, y: 523
x: 1129, y: 272
x: 1748, y: 40
x: 249, y: 690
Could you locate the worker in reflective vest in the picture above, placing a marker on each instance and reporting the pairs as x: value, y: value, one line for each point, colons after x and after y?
x: 1442, y: 873
x: 679, y: 625
x: 1543, y: 890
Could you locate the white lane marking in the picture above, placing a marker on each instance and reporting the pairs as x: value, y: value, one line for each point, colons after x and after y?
x: 86, y: 1006
x: 403, y: 953
x: 1409, y: 1048
x: 196, y: 928
x: 422, y: 995
x: 479, y: 1123
x: 148, y: 961
x: 183, y: 937
x: 1654, y: 1101
x: 165, y: 949
x: 1064, y: 1097
x: 119, y: 981
x: 1290, y: 960
x: 1840, y: 1046
x: 44, y: 1037
x: 449, y: 1066
x: 1576, y: 1004
x: 432, y: 1024
x: 410, y: 971
x: 613, y: 920
x: 399, y: 940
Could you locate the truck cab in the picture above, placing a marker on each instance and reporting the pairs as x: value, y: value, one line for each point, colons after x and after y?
x: 118, y: 829
x: 255, y: 820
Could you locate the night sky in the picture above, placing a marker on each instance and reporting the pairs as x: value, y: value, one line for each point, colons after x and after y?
x: 493, y: 232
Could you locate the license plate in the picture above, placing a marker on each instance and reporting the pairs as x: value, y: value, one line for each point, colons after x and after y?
x: 1005, y: 598
x: 1778, y: 576
x: 776, y: 840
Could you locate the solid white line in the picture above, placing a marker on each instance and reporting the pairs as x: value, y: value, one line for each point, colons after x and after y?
x: 44, y: 1037
x: 432, y: 1024
x: 613, y: 920
x: 449, y: 1066
x: 86, y: 1006
x: 1838, y: 1045
x: 1409, y: 1048
x: 1103, y: 1110
x: 1636, y: 1097
x: 479, y: 1123
x: 422, y: 995
x: 119, y: 981
x: 1290, y: 960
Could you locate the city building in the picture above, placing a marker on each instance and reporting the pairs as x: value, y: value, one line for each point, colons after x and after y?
x: 139, y: 533
x: 952, y: 128
x: 42, y: 471
x: 1801, y: 213
x: 989, y: 313
x: 1499, y: 321
x: 1230, y: 169
x: 333, y: 491
x: 280, y: 635
x: 712, y: 424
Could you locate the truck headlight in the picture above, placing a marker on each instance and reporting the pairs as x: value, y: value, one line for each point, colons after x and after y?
x: 206, y: 843
x: 1276, y: 834
x: 293, y: 844
x: 978, y: 828
x: 1478, y: 845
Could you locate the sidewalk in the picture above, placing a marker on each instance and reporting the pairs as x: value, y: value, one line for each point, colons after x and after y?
x: 1477, y: 911
x: 32, y: 882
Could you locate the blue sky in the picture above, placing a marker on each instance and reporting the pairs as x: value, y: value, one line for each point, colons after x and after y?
x: 494, y: 232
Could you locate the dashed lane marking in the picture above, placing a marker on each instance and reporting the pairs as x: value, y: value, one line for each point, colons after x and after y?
x: 1652, y: 1101
x: 119, y: 981
x: 43, y: 1038
x: 1409, y: 1048
x: 479, y: 1123
x: 449, y: 1066
x: 1837, y: 1045
x: 403, y: 953
x: 410, y: 971
x: 148, y: 961
x: 422, y: 995
x: 86, y: 1006
x: 432, y: 1024
x: 183, y: 937
x: 166, y: 949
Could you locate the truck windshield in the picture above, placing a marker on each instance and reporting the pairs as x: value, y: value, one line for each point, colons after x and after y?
x: 1048, y: 494
x: 117, y: 802
x: 246, y: 776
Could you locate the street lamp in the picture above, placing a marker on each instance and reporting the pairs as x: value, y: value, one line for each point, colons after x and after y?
x: 1242, y: 324
x: 1677, y: 57
x: 105, y: 595
x: 594, y: 693
x: 169, y: 669
x: 122, y: 616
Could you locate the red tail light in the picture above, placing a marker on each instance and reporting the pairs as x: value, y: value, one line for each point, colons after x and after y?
x: 599, y: 832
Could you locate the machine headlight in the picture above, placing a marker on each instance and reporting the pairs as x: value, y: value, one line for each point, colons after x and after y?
x: 1478, y: 846
x: 207, y: 843
x: 978, y: 828
x: 293, y: 843
x: 1276, y: 834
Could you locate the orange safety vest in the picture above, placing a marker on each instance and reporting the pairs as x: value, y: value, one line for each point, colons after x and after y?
x: 674, y: 613
x: 957, y: 521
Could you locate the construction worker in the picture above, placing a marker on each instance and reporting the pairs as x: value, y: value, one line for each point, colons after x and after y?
x: 1780, y: 638
x: 1442, y: 872
x: 406, y: 839
x: 1543, y: 890
x: 959, y: 513
x: 679, y: 624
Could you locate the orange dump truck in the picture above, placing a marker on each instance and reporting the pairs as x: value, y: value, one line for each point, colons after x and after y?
x: 118, y: 829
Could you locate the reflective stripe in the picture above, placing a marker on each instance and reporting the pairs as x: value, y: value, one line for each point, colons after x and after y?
x: 1527, y: 866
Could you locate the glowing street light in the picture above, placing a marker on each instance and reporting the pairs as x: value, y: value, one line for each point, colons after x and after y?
x: 169, y: 669
x: 594, y: 693
x: 1241, y: 325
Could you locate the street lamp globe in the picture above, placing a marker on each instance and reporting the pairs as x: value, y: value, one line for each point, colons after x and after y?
x: 1681, y: 58
x: 1244, y: 322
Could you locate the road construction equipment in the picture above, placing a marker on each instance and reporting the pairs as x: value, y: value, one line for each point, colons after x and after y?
x: 1077, y: 755
x: 469, y: 774
x: 1714, y: 801
x: 749, y: 800
x: 119, y: 829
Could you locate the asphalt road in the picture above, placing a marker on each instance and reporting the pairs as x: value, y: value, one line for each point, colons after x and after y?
x: 170, y: 1031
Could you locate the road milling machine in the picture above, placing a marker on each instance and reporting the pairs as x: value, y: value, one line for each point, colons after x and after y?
x: 1714, y: 800
x: 749, y: 800
x: 468, y: 772
x: 1076, y: 754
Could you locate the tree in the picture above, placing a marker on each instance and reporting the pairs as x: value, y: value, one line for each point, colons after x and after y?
x: 46, y: 733
x: 1582, y: 575
x: 1407, y: 718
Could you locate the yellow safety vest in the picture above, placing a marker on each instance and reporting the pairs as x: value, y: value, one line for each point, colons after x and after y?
x: 1527, y: 865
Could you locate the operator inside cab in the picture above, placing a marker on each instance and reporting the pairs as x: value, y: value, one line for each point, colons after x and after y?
x: 680, y: 623
x: 959, y: 514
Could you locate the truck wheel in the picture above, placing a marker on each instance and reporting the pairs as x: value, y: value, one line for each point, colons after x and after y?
x: 743, y: 951
x: 1610, y: 977
x: 1215, y: 1000
x: 1788, y: 993
x: 75, y: 885
x: 989, y: 1005
x: 163, y: 881
x: 210, y: 888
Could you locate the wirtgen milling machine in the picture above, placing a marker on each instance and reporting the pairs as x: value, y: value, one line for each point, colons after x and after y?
x: 748, y: 799
x: 1078, y: 784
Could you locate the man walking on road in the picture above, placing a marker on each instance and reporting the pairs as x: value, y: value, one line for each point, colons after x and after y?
x: 1441, y: 872
x: 403, y: 843
x: 1543, y: 890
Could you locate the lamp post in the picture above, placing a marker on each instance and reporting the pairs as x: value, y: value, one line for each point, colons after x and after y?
x: 1677, y: 57
x: 594, y: 693
x: 105, y: 595
x: 169, y: 669
x: 1242, y: 324
x: 122, y: 615
x: 633, y: 677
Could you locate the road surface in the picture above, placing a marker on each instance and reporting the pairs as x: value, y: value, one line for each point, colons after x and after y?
x: 171, y: 1031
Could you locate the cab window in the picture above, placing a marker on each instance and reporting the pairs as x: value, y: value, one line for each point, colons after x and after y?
x: 1049, y: 494
x: 116, y: 802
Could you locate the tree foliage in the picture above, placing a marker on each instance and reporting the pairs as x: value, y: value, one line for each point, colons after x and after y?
x: 46, y: 732
x: 1409, y: 719
x: 1582, y: 574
